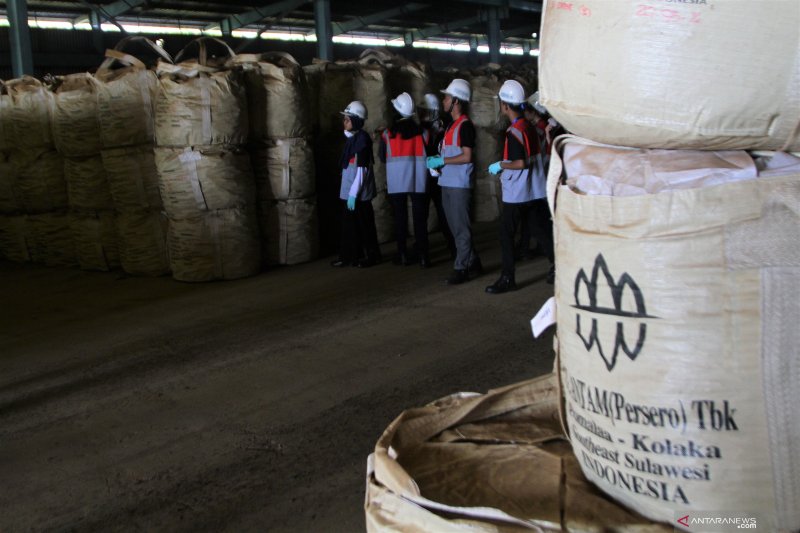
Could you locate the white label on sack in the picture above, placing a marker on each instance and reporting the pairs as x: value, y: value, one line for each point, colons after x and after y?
x: 545, y: 318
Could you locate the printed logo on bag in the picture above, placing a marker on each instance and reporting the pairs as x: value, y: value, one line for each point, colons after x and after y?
x: 617, y: 292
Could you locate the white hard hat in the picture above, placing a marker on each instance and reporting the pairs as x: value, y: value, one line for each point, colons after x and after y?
x: 512, y: 92
x: 404, y: 104
x: 534, y: 101
x: 460, y: 89
x: 430, y: 102
x: 355, y: 109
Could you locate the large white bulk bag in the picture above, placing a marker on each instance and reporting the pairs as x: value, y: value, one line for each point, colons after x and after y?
x: 677, y: 322
x: 221, y: 244
x: 94, y: 235
x: 126, y: 96
x: 290, y: 231
x: 10, y: 195
x: 50, y: 240
x: 203, y: 179
x: 484, y: 107
x: 87, y: 184
x: 674, y: 74
x: 6, y: 136
x: 142, y: 242
x: 132, y: 177
x: 76, y: 121
x: 200, y: 102
x: 284, y: 169
x: 14, y: 238
x: 486, y: 199
x: 384, y: 219
x: 29, y: 121
x: 40, y: 180
x: 371, y: 87
x: 277, y: 95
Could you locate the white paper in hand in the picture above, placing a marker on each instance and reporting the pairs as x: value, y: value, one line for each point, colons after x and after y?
x: 545, y: 318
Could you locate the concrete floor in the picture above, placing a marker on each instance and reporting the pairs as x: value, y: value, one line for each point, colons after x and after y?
x: 147, y: 404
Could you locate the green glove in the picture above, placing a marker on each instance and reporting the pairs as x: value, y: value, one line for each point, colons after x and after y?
x: 435, y: 161
x: 351, y: 203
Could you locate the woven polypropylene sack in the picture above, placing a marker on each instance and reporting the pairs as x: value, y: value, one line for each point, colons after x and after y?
x: 290, y: 231
x: 76, y: 121
x: 126, y: 104
x: 204, y: 179
x: 277, y: 96
x: 221, y: 244
x: 370, y: 85
x: 207, y: 108
x: 29, y: 117
x: 50, y: 240
x: 6, y: 136
x: 142, y: 242
x: 651, y: 86
x: 132, y: 177
x: 87, y: 184
x: 384, y: 220
x: 10, y: 195
x: 486, y: 199
x: 94, y: 235
x: 14, y: 238
x: 284, y: 169
x: 676, y: 314
x: 489, y: 144
x: 40, y: 180
x: 484, y: 107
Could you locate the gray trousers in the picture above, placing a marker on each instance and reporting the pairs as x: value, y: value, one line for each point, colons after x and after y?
x: 456, y: 203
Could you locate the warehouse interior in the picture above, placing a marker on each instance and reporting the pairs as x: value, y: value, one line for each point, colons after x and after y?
x: 134, y: 402
x: 210, y: 321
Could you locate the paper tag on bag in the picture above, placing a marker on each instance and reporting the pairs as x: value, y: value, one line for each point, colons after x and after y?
x: 545, y: 318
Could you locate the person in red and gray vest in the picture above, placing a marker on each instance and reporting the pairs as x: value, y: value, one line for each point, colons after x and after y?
x: 456, y: 179
x: 359, y: 241
x: 433, y: 133
x: 402, y: 148
x: 521, y: 177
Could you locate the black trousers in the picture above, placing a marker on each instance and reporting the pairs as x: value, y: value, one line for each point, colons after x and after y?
x: 419, y: 213
x: 359, y: 237
x: 510, y: 220
x: 435, y: 193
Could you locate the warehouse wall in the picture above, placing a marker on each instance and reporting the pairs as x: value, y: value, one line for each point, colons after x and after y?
x: 67, y: 52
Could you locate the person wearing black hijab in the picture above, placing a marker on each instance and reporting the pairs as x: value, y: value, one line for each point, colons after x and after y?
x: 359, y: 239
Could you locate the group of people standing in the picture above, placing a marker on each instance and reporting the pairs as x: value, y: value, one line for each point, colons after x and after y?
x: 433, y: 159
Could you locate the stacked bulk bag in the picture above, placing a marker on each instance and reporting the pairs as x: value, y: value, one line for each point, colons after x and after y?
x: 710, y: 100
x: 695, y: 284
x: 205, y: 175
x: 126, y: 102
x: 678, y: 271
x: 76, y: 133
x: 282, y: 156
x: 35, y: 225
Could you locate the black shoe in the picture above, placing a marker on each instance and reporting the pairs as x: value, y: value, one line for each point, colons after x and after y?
x: 457, y: 277
x: 402, y: 259
x: 551, y: 275
x: 504, y: 284
x: 475, y: 269
x: 339, y: 263
x: 424, y: 261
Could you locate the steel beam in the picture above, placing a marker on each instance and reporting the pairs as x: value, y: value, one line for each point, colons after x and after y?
x: 323, y: 28
x: 493, y: 34
x: 114, y: 9
x: 20, y: 38
x: 518, y: 5
x: 431, y: 31
x: 234, y: 22
x: 523, y: 31
x: 362, y: 22
x: 97, y: 31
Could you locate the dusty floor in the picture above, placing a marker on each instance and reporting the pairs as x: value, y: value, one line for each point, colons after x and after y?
x: 148, y: 404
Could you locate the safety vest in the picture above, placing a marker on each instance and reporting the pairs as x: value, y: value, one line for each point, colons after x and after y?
x: 405, y: 164
x: 367, y: 190
x: 528, y: 183
x: 457, y: 176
